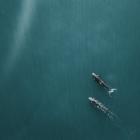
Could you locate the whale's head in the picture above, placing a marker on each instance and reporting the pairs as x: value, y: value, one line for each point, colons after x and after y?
x: 92, y: 99
x: 95, y: 75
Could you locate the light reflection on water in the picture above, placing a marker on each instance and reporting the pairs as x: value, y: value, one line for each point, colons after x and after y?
x: 24, y: 20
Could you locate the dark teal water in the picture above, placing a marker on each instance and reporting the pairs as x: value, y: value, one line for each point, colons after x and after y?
x: 48, y: 50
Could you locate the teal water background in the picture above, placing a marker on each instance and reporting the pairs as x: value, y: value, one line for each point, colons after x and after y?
x: 48, y: 50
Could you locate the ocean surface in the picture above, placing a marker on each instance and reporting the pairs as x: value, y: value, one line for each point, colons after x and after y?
x: 48, y: 50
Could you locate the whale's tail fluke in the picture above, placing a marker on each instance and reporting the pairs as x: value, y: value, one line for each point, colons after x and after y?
x: 111, y: 90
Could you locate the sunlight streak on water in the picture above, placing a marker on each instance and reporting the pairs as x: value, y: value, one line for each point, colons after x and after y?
x: 24, y: 20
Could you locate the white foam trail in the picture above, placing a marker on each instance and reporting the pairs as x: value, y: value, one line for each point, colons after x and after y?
x: 23, y: 23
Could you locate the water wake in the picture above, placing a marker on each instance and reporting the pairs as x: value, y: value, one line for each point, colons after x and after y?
x: 127, y: 132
